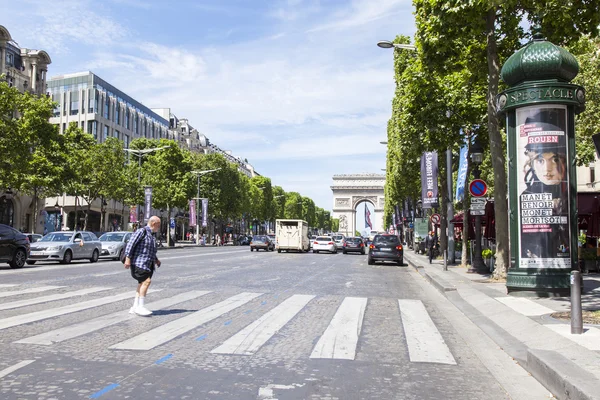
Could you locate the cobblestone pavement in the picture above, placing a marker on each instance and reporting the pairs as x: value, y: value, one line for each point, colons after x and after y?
x: 307, y: 335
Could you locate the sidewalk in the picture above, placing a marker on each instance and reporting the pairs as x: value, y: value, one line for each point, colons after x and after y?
x: 567, y: 365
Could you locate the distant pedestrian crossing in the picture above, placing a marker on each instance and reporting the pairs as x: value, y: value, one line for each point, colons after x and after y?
x: 339, y: 334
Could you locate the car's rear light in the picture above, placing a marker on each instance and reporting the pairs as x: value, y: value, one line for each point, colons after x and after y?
x: 344, y: 244
x: 371, y: 247
x: 316, y: 243
x: 330, y: 243
x: 399, y: 247
x: 362, y: 245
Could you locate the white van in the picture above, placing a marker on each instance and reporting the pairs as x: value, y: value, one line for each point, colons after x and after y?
x: 292, y: 234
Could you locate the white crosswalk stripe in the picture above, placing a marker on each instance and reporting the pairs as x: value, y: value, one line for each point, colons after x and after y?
x: 54, y: 312
x: 425, y: 343
x: 52, y: 297
x: 6, y: 285
x: 171, y: 330
x: 251, y: 338
x: 29, y: 291
x: 341, y: 337
x: 76, y: 330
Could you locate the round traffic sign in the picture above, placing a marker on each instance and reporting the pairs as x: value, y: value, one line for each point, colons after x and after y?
x: 436, y: 218
x: 478, y: 187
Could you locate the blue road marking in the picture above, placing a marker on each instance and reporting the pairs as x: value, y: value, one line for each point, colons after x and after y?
x: 162, y: 360
x: 103, y: 391
x: 263, y: 303
x: 227, y: 323
x: 201, y: 337
x: 247, y: 312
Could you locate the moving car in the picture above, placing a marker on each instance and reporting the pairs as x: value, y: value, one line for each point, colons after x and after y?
x: 262, y: 242
x: 65, y: 247
x: 33, y: 237
x: 339, y: 240
x: 386, y: 248
x: 14, y: 247
x: 354, y: 244
x: 324, y: 243
x: 113, y: 244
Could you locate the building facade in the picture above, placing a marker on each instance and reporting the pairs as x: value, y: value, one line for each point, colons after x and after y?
x: 24, y: 69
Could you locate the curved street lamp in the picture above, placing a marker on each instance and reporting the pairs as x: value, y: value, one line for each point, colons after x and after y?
x: 386, y: 44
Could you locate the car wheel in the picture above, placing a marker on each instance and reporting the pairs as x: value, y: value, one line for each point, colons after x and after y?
x: 67, y: 258
x: 19, y: 259
x: 279, y: 250
x: 401, y: 262
x: 362, y: 252
x: 95, y: 256
x: 370, y: 261
x: 119, y: 256
x: 30, y: 262
x: 251, y: 249
x: 314, y: 251
x: 344, y: 252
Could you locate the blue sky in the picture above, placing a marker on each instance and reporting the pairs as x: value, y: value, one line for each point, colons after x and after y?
x: 298, y: 87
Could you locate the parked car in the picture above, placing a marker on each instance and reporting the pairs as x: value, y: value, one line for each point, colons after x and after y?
x: 339, y: 240
x: 33, y: 237
x: 14, y: 246
x: 262, y: 242
x: 386, y: 248
x: 324, y: 243
x: 244, y: 240
x: 113, y: 244
x: 66, y: 246
x: 354, y: 244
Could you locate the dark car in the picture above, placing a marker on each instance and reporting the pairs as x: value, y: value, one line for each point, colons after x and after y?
x: 354, y: 244
x: 262, y: 242
x: 244, y: 240
x: 14, y: 246
x: 386, y: 248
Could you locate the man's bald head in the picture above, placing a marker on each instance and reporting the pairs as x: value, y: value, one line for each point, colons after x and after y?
x: 154, y: 223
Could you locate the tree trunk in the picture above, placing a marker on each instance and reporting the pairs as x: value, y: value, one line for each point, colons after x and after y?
x: 75, y: 219
x: 497, y: 150
x: 87, y: 213
x: 35, y: 210
x: 168, y: 225
x: 102, y: 214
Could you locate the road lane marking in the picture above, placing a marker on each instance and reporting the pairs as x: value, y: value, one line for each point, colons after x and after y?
x: 164, y: 333
x: 103, y: 391
x: 30, y: 290
x: 250, y: 339
x: 55, y: 312
x: 525, y: 306
x: 341, y: 336
x: 424, y: 341
x: 15, y: 367
x: 6, y: 285
x: 590, y: 339
x: 82, y: 328
x: 52, y: 297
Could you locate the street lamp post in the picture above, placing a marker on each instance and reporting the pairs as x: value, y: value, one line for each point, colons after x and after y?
x: 478, y: 265
x: 140, y: 154
x: 56, y: 214
x: 199, y: 174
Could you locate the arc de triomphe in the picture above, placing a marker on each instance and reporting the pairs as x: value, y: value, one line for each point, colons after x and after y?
x: 349, y: 191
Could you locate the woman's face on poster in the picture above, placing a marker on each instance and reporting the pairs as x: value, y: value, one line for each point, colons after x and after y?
x: 549, y: 167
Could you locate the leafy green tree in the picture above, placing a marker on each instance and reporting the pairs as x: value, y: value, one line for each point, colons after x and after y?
x: 335, y: 224
x: 293, y: 206
x: 308, y: 211
x: 478, y: 36
x: 278, y: 202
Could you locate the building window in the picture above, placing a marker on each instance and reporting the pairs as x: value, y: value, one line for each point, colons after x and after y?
x: 117, y: 134
x: 74, y: 103
x: 65, y: 94
x: 127, y: 118
x: 126, y: 141
x: 105, y: 136
x: 10, y: 59
x: 592, y: 175
x: 6, y: 211
x: 106, y: 107
x: 93, y: 102
x: 93, y: 129
x: 64, y: 127
x: 152, y: 130
x: 135, y: 124
x: 118, y: 113
x: 56, y: 99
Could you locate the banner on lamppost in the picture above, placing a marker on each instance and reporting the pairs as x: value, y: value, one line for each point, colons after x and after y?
x: 204, y: 212
x: 543, y: 187
x: 133, y: 218
x: 429, y: 184
x: 463, y: 166
x: 192, y: 212
x: 147, y: 203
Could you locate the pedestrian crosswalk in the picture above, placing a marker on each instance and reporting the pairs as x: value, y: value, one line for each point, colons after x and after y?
x: 339, y: 334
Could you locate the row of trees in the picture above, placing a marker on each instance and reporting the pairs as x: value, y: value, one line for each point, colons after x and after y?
x: 446, y: 91
x: 40, y: 162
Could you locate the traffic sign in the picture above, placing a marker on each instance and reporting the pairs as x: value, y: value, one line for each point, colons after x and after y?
x: 478, y: 205
x: 478, y: 187
x: 436, y: 219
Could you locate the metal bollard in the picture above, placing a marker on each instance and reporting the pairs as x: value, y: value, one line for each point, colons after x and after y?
x: 576, y: 315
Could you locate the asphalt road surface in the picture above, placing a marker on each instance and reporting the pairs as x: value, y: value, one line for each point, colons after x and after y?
x: 233, y: 324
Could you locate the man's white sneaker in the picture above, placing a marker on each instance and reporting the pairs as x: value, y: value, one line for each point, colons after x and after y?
x: 132, y: 310
x: 143, y: 311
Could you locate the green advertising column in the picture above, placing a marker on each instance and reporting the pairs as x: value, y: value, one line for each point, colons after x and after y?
x: 540, y: 108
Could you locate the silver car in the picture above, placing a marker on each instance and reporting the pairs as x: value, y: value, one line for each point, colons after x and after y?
x: 66, y: 246
x: 113, y: 244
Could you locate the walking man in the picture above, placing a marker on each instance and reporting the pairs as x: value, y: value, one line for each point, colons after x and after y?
x: 140, y: 258
x: 430, y: 243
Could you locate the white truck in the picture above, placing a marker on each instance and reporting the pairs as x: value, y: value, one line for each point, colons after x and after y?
x: 291, y: 234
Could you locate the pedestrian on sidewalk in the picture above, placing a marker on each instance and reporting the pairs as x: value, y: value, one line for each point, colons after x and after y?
x: 140, y: 258
x: 430, y: 243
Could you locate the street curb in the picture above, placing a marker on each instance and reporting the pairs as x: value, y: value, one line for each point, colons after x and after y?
x: 561, y: 376
x: 440, y: 284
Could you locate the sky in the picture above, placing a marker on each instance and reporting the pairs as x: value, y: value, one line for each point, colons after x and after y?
x: 298, y: 87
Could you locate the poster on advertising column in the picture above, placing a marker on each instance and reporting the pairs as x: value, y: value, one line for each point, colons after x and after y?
x: 147, y: 202
x: 204, y: 212
x: 192, y: 212
x: 543, y: 187
x: 429, y: 184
